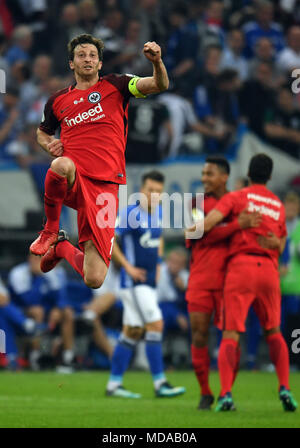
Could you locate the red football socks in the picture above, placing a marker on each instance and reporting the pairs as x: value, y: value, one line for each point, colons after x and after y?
x: 200, y: 360
x: 237, y: 363
x: 227, y: 362
x: 56, y: 187
x: 279, y: 355
x: 73, y: 255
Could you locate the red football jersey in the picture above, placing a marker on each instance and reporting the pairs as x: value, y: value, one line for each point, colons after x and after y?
x: 93, y: 126
x: 208, y: 260
x: 255, y: 198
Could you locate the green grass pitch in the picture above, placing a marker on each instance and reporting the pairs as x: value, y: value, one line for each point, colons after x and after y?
x: 51, y: 400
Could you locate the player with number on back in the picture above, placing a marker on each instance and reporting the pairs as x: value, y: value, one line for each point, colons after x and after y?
x: 207, y: 270
x: 252, y: 278
x: 89, y: 160
x: 140, y: 231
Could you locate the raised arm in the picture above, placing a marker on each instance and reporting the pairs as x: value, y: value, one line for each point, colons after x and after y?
x: 159, y: 81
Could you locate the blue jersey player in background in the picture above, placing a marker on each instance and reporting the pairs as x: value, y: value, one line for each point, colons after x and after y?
x: 140, y: 237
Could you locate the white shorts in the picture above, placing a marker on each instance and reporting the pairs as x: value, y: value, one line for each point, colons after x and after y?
x: 140, y: 306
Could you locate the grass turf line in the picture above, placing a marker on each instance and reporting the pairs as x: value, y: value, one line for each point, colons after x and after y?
x: 51, y: 400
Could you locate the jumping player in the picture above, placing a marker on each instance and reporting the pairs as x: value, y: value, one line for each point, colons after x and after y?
x: 253, y: 256
x: 89, y: 160
x: 207, y: 270
x: 140, y: 231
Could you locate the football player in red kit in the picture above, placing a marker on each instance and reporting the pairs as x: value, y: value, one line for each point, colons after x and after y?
x: 252, y: 278
x: 89, y: 156
x: 207, y: 270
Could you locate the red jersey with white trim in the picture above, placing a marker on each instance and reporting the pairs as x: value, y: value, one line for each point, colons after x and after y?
x: 256, y: 198
x: 93, y: 125
x: 208, y: 260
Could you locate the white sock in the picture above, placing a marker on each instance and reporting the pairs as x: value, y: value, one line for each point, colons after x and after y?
x: 158, y: 383
x: 68, y: 356
x: 112, y: 385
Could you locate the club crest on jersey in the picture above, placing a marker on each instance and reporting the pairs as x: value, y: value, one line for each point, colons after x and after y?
x: 94, y: 97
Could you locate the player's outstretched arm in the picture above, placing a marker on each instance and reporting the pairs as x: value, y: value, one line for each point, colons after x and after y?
x: 50, y: 144
x: 160, y: 80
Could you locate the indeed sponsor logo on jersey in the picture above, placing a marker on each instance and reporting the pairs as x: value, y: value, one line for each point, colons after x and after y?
x: 263, y: 210
x: 92, y: 115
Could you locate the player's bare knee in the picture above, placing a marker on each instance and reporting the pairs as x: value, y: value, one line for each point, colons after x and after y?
x: 63, y: 166
x: 155, y: 326
x: 135, y: 333
x: 93, y: 281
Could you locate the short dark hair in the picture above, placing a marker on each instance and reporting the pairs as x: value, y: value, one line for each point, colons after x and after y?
x: 85, y: 39
x: 221, y: 162
x: 260, y: 168
x: 153, y: 175
x: 227, y: 75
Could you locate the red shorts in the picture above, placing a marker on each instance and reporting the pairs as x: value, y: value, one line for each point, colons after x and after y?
x: 251, y: 280
x: 206, y: 301
x: 96, y: 203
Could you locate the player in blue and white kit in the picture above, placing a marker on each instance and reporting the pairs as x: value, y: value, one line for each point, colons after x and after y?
x: 139, y: 230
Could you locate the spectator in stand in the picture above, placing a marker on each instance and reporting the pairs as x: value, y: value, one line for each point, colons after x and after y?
x: 89, y: 16
x: 219, y: 109
x: 131, y: 59
x: 31, y: 90
x: 22, y: 41
x: 150, y: 14
x: 289, y: 58
x: 10, y: 125
x: 282, y: 123
x: 171, y: 289
x: 67, y: 28
x: 40, y: 295
x: 263, y: 26
x: 146, y: 122
x: 110, y: 30
x: 210, y: 68
x: 264, y: 52
x: 182, y: 48
x: 213, y: 19
x: 256, y: 97
x: 232, y: 56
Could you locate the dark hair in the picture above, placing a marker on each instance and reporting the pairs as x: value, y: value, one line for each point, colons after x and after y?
x: 260, y: 168
x: 221, y: 162
x: 180, y: 8
x: 227, y: 75
x: 85, y: 39
x: 153, y: 175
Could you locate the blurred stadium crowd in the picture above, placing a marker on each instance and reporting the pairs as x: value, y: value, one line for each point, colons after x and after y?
x: 230, y: 65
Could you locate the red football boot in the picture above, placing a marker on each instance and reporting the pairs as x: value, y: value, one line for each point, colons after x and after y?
x: 43, y: 242
x: 50, y: 259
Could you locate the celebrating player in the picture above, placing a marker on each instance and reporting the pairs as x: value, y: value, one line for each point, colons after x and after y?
x: 207, y: 269
x: 140, y: 231
x: 252, y: 278
x: 89, y: 160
